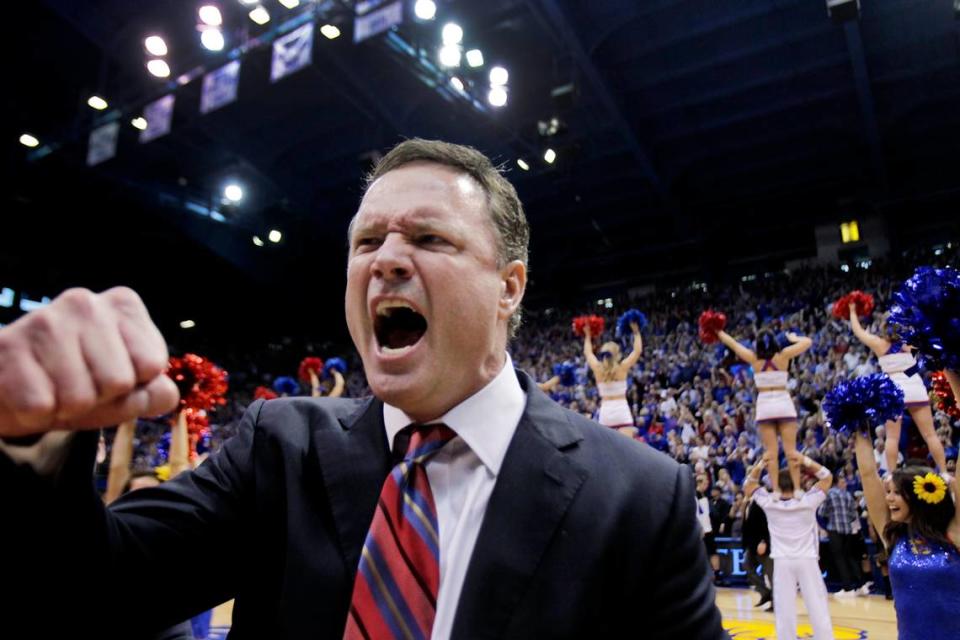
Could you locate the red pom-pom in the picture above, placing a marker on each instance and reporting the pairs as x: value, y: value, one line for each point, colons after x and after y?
x: 596, y: 324
x: 307, y: 365
x: 264, y: 393
x: 861, y: 300
x: 197, y: 423
x: 944, y: 395
x: 710, y: 323
x: 202, y: 384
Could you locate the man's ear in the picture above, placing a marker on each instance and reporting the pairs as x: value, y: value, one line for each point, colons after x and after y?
x: 513, y: 284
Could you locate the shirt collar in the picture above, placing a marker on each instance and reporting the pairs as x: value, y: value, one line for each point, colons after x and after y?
x: 486, y: 421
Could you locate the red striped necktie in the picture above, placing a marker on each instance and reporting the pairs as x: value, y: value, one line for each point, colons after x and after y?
x: 395, y: 591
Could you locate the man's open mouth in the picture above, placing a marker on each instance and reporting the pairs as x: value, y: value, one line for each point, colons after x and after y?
x: 397, y: 326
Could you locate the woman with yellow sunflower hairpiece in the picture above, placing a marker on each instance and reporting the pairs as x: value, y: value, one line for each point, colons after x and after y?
x: 919, y: 517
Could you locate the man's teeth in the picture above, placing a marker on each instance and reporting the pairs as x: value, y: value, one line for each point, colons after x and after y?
x: 383, y: 307
x: 390, y: 351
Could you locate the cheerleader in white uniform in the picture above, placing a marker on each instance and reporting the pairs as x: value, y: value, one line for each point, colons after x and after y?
x: 897, y: 362
x: 776, y: 414
x: 611, y: 375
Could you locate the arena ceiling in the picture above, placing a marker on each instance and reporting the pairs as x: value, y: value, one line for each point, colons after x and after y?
x: 700, y: 137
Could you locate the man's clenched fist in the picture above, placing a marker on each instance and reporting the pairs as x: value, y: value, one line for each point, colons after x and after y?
x: 82, y: 362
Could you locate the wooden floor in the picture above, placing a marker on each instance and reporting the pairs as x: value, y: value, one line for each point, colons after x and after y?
x: 870, y: 617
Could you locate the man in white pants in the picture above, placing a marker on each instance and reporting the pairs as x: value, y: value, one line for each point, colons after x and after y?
x: 795, y: 546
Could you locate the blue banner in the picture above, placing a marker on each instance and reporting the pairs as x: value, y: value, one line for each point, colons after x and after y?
x: 103, y: 143
x: 220, y: 87
x: 292, y: 52
x: 159, y: 115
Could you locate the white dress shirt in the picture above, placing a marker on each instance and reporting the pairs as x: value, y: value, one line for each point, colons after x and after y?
x: 462, y: 476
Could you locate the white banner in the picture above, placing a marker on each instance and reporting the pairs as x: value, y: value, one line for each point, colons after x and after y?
x: 292, y: 52
x: 103, y: 143
x: 220, y: 87
x: 377, y: 21
x: 159, y: 115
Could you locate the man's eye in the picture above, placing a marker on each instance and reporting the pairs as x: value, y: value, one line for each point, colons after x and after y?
x: 367, y: 242
x: 430, y: 239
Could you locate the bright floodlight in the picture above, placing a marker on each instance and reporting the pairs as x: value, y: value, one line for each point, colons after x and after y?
x: 96, y: 102
x: 475, y: 58
x: 155, y: 46
x: 257, y: 241
x: 212, y: 39
x: 450, y: 55
x: 452, y: 33
x: 523, y: 164
x: 260, y: 15
x: 28, y: 140
x: 497, y: 96
x: 210, y: 15
x: 456, y: 83
x: 425, y: 9
x: 290, y: 4
x: 274, y: 236
x: 188, y: 324
x: 549, y: 156
x: 498, y: 76
x: 158, y: 68
x: 139, y: 123
x: 330, y: 31
x: 233, y: 192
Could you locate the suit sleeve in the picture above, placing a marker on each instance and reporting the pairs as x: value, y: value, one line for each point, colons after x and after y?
x: 135, y: 564
x: 684, y: 600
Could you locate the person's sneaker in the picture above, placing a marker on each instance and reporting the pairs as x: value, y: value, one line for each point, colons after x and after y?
x: 865, y: 589
x: 843, y: 593
x: 768, y: 608
x: 764, y: 600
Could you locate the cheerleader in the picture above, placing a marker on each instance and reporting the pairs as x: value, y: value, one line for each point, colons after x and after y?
x: 897, y: 362
x: 776, y: 414
x: 611, y: 375
x: 919, y: 525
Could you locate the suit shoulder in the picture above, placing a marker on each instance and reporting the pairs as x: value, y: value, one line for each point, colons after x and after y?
x: 289, y: 413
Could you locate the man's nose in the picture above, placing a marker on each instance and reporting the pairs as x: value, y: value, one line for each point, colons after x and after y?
x: 393, y: 258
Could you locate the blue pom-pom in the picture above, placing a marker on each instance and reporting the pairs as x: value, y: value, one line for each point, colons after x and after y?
x: 163, y: 449
x: 567, y: 372
x: 331, y: 364
x: 204, y: 442
x: 631, y: 316
x: 861, y: 403
x: 926, y: 310
x: 285, y: 385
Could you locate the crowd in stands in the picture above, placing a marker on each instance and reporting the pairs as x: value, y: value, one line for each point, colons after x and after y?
x: 691, y: 400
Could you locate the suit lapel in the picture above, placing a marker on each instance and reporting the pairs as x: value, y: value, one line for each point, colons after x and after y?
x: 354, y: 461
x: 536, y: 484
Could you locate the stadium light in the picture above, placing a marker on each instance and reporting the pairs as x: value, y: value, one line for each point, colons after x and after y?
x: 274, y: 236
x: 188, y: 324
x: 475, y: 58
x: 96, y: 102
x: 158, y: 68
x: 28, y: 140
x: 498, y: 76
x: 233, y: 192
x: 139, y: 123
x: 549, y: 156
x: 259, y: 15
x: 330, y: 31
x: 290, y: 4
x: 212, y: 39
x: 497, y: 96
x: 456, y: 83
x: 450, y: 55
x: 257, y: 241
x: 523, y: 164
x: 452, y: 33
x: 209, y: 15
x: 425, y: 9
x: 155, y: 46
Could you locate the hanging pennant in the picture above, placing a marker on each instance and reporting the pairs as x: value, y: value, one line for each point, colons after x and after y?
x: 292, y: 52
x: 159, y: 115
x: 103, y: 143
x: 220, y: 87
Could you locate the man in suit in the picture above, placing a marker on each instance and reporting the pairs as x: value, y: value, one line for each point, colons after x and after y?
x: 549, y: 525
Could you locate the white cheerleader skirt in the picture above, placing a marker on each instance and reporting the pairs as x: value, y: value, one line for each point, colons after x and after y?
x: 775, y: 405
x: 914, y: 393
x: 615, y: 413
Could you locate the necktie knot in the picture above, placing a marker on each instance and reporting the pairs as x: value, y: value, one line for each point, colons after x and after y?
x: 425, y: 440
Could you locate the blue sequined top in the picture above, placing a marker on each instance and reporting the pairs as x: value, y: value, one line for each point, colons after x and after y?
x: 926, y: 589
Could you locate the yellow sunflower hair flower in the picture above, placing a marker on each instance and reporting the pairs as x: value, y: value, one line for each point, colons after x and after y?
x: 930, y: 488
x: 163, y: 472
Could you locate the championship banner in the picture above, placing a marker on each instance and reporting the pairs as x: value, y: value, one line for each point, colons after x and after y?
x: 376, y: 22
x: 292, y: 52
x: 159, y: 115
x: 103, y: 143
x: 220, y: 87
